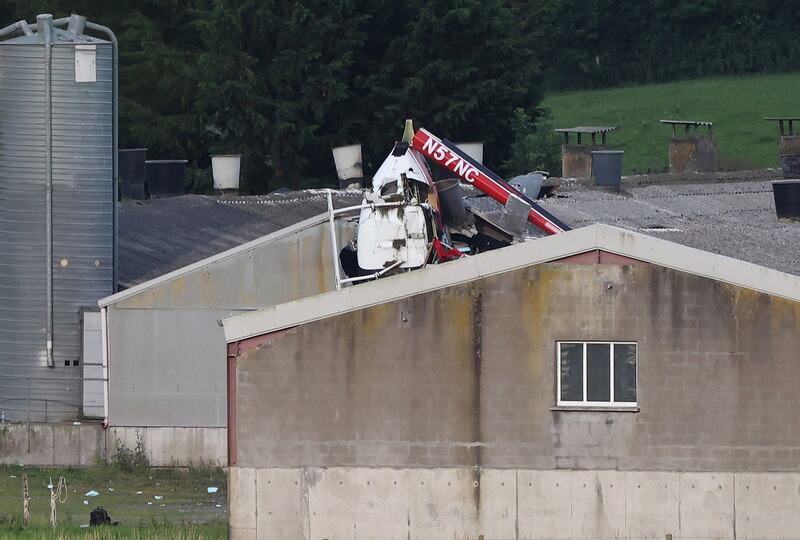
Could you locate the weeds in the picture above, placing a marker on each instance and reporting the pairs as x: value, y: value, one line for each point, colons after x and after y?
x: 131, y: 459
x: 209, y: 531
x: 10, y: 522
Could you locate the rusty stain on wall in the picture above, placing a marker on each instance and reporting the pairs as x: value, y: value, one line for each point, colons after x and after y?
x: 465, y: 376
x: 692, y: 154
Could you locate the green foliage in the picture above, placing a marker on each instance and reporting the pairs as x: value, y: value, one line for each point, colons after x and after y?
x: 281, y: 81
x: 218, y: 530
x: 535, y: 146
x: 11, y: 522
x: 610, y: 42
x: 131, y: 459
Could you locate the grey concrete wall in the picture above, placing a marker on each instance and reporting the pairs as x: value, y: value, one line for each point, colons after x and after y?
x: 52, y: 444
x: 465, y: 377
x: 89, y: 444
x: 351, y: 503
x: 179, y: 446
x: 166, y: 348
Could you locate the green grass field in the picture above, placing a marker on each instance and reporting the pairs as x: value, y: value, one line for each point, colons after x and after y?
x: 209, y: 531
x: 736, y: 105
x: 148, y: 503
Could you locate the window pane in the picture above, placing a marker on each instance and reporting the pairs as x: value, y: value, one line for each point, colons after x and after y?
x: 625, y: 373
x: 571, y: 371
x: 598, y: 372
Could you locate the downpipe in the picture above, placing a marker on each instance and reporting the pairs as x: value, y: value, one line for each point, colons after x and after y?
x: 45, y: 27
x: 104, y: 355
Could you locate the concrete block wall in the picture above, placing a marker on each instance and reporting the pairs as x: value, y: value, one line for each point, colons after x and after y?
x: 466, y: 377
x: 385, y: 503
x: 67, y: 445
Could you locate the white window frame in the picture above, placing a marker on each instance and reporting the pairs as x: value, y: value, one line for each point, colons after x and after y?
x: 602, y: 404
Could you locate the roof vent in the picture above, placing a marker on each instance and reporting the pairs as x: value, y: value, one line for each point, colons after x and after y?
x: 226, y: 169
x: 76, y: 25
x: 787, y: 199
x: 164, y: 177
x: 349, y: 166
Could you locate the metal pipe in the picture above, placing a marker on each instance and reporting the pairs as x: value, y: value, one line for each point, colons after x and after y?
x: 104, y: 355
x: 376, y: 275
x: 45, y: 22
x: 29, y: 416
x: 373, y: 206
x: 76, y: 24
x: 19, y: 26
x: 115, y: 135
x: 334, y: 248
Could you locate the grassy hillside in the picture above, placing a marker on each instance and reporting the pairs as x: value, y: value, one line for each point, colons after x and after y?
x: 736, y: 105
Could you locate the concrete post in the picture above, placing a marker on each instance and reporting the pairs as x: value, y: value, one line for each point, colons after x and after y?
x: 692, y: 154
x: 788, y: 142
x: 576, y: 159
x: 789, y: 145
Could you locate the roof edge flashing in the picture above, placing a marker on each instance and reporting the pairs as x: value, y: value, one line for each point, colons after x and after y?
x: 615, y: 240
x: 210, y: 261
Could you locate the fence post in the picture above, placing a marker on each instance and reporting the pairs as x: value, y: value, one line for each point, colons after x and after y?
x: 26, y: 501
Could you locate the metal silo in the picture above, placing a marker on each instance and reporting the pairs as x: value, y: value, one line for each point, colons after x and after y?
x: 57, y: 207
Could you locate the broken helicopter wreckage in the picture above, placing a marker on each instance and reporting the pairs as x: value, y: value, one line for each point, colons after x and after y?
x: 406, y: 220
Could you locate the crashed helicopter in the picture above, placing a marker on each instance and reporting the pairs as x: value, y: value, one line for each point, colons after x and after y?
x: 406, y: 220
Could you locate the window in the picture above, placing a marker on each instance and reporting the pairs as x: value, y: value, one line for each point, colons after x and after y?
x: 596, y: 374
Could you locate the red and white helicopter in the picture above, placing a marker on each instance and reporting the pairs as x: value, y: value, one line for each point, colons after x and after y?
x: 403, y: 223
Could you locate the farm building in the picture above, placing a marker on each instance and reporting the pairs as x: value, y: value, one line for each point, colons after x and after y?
x: 163, y: 337
x: 600, y: 383
x: 57, y: 212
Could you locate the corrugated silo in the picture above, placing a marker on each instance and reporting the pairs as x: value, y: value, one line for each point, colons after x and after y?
x: 57, y: 208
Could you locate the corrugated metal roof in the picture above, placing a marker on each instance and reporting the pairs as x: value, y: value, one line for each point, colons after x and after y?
x: 161, y: 235
x: 735, y: 218
x: 723, y: 214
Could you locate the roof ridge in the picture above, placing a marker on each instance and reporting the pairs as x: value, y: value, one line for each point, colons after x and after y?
x: 598, y: 236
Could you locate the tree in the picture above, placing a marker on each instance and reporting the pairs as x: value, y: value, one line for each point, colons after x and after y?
x: 460, y: 68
